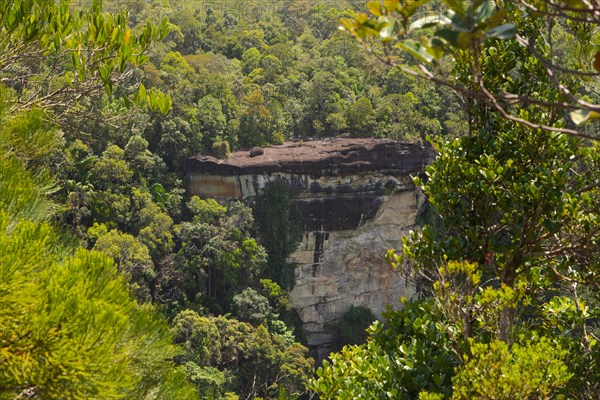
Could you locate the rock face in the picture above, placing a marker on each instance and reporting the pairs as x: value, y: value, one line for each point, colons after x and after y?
x: 357, y: 201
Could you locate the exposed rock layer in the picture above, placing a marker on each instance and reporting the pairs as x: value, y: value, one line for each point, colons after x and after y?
x: 318, y: 158
x: 357, y: 201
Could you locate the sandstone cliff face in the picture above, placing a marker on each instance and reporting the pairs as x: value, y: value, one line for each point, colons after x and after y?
x: 357, y: 201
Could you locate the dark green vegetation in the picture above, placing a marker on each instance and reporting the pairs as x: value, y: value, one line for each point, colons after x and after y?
x: 509, y: 261
x: 280, y: 228
x: 352, y: 328
x: 250, y: 73
x: 113, y: 284
x: 69, y: 325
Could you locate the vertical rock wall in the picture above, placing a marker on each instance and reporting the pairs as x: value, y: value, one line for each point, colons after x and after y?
x: 357, y: 201
x: 338, y: 269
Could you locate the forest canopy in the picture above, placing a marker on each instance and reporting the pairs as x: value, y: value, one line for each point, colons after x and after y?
x: 114, y: 283
x: 507, y: 260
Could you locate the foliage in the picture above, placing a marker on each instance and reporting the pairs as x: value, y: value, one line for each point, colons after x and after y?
x: 531, y: 215
x: 252, y: 361
x: 278, y: 298
x: 469, y: 31
x: 70, y: 328
x: 65, y: 54
x: 361, y: 118
x: 279, y: 226
x: 217, y: 81
x: 132, y: 259
x: 515, y: 230
x: 217, y: 257
x: 532, y: 371
x: 241, y: 80
x: 208, y: 211
x: 249, y: 306
x: 352, y: 328
x: 412, y: 353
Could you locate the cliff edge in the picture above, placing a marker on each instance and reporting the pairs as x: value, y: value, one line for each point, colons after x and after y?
x: 319, y: 158
x: 357, y: 201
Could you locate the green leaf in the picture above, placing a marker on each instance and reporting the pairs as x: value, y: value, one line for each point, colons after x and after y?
x: 581, y: 116
x: 142, y: 92
x: 426, y: 22
x: 164, y: 28
x: 390, y: 5
x: 361, y: 18
x: 416, y: 49
x: 347, y: 24
x: 69, y: 78
x: 506, y: 31
x: 104, y: 72
x: 485, y: 11
x: 375, y: 8
x: 168, y: 103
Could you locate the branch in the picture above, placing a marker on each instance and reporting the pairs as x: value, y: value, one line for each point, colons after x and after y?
x: 485, y: 95
x: 561, y: 12
x: 549, y: 67
x: 492, y: 100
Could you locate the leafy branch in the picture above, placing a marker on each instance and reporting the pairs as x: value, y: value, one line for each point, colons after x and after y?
x: 467, y: 32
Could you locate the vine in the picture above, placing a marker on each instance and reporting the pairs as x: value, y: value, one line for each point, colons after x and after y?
x: 280, y: 228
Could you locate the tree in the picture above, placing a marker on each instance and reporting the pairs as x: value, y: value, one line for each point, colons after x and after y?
x: 111, y: 170
x: 532, y: 371
x: 279, y: 222
x: 513, y: 206
x: 256, y: 122
x: 210, y: 120
x: 70, y: 328
x: 131, y: 257
x: 469, y: 30
x: 411, y: 353
x: 250, y: 60
x: 361, y: 118
x: 399, y: 116
x: 53, y: 57
x: 323, y: 94
x: 512, y: 238
x: 250, y: 306
x: 526, y: 220
x: 217, y: 257
x: 251, y: 361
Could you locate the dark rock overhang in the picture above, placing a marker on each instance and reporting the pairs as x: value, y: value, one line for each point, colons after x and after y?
x: 328, y: 157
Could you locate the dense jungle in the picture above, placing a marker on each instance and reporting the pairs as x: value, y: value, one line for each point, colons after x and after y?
x: 115, y: 283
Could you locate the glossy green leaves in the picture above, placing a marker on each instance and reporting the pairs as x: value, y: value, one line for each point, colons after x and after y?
x: 78, y: 53
x: 462, y: 27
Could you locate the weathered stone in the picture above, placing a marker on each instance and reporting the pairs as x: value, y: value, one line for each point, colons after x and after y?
x: 352, y: 269
x: 357, y: 201
x: 334, y: 157
x: 256, y: 151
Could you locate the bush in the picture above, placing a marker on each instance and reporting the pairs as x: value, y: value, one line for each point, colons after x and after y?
x: 250, y: 306
x: 351, y: 329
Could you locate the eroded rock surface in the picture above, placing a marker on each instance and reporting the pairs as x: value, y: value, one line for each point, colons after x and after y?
x: 357, y: 201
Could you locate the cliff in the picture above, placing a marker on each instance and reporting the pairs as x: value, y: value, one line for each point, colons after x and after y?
x: 357, y: 201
